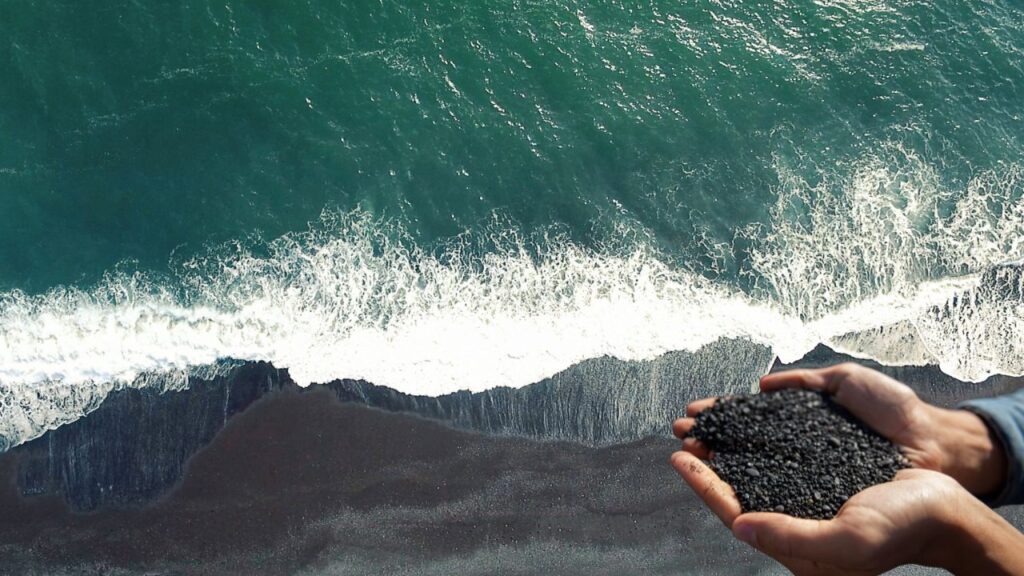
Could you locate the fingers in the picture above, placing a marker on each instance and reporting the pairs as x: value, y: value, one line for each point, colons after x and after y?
x: 682, y: 426
x: 698, y: 406
x: 697, y: 448
x: 782, y: 536
x: 717, y: 495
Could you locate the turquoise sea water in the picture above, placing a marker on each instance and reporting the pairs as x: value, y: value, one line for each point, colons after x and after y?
x: 134, y: 130
x: 524, y: 183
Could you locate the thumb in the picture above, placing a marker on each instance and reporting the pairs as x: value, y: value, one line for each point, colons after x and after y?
x: 779, y: 535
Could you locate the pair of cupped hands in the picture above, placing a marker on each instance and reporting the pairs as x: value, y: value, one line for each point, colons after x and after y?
x: 928, y: 514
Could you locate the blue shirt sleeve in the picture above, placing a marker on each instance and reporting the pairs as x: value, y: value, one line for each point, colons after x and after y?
x: 1005, y: 417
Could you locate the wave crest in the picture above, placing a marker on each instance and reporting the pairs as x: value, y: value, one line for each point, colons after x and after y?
x: 883, y: 227
x: 889, y: 265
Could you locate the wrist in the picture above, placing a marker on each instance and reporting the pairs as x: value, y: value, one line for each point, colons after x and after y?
x: 974, y: 540
x: 969, y: 451
x: 958, y: 542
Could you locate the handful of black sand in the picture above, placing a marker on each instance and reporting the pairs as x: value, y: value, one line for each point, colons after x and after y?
x: 794, y: 451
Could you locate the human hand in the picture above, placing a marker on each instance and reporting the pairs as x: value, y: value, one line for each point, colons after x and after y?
x: 954, y: 442
x: 921, y: 517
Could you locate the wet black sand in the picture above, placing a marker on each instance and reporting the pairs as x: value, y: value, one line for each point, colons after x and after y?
x: 301, y: 483
x: 298, y: 482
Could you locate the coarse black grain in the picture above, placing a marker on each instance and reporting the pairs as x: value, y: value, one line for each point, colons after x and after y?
x: 794, y: 451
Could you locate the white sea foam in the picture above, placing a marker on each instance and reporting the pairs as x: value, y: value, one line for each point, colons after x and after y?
x: 29, y: 408
x: 888, y: 226
x: 887, y: 261
x: 355, y: 303
x: 866, y: 264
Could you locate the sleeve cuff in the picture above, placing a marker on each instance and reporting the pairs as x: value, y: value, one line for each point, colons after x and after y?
x: 1003, y: 419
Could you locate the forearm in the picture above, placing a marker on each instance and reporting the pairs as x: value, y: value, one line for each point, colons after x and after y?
x: 982, y: 543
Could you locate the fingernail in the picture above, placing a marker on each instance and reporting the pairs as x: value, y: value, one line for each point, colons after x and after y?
x: 747, y: 534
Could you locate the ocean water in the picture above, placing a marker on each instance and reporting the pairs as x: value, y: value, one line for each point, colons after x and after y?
x: 461, y: 195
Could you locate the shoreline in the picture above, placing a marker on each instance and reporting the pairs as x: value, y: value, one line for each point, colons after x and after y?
x: 248, y: 471
x: 301, y: 482
x: 598, y: 403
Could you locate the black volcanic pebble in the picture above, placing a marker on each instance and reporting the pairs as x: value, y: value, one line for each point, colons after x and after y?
x: 794, y: 451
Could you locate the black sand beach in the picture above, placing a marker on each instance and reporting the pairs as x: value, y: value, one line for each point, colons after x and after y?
x: 303, y: 483
x: 286, y: 480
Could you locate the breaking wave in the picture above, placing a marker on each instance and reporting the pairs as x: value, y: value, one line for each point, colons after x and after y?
x: 888, y: 263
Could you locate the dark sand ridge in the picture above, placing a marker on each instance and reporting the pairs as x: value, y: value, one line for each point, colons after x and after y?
x: 302, y: 481
x: 134, y: 446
